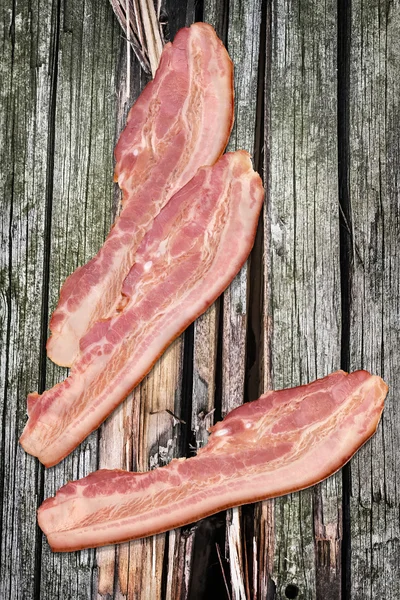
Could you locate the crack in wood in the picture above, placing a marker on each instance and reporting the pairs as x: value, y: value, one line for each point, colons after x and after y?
x: 346, y: 252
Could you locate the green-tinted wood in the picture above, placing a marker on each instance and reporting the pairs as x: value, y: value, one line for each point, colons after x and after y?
x: 375, y: 289
x: 26, y: 74
x: 302, y: 303
x: 82, y: 201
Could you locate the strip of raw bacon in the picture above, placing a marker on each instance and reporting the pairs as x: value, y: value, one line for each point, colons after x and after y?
x: 283, y: 442
x: 198, y: 243
x: 181, y: 121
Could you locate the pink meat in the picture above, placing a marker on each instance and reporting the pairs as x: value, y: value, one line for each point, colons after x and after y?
x: 197, y: 245
x: 283, y: 442
x: 181, y: 121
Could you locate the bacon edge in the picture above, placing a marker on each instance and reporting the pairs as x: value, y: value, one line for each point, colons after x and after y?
x: 181, y: 121
x: 117, y: 353
x: 281, y: 443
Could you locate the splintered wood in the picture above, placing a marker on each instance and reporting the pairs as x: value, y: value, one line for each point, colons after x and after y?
x: 140, y: 21
x: 142, y: 435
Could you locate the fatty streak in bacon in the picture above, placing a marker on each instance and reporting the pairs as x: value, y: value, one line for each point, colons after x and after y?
x: 283, y: 442
x: 181, y: 121
x: 197, y: 244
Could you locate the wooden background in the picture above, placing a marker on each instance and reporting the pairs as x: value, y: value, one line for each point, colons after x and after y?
x: 317, y: 104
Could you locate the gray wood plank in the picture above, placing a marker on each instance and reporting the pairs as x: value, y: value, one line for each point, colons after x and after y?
x: 243, y: 47
x: 201, y: 542
x: 141, y: 435
x: 297, y: 539
x: 242, y: 20
x: 25, y: 119
x: 302, y: 302
x: 82, y: 202
x: 117, y: 436
x: 235, y: 300
x: 375, y: 290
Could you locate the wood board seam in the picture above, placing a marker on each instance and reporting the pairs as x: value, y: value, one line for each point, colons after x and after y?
x: 346, y: 249
x: 54, y: 52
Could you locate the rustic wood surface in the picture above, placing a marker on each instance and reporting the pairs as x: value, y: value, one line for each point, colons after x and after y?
x: 374, y: 326
x: 302, y: 300
x: 317, y: 104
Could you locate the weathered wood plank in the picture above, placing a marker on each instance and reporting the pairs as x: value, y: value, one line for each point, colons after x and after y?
x: 302, y: 303
x: 238, y: 26
x: 242, y: 23
x: 201, y: 540
x: 141, y: 435
x: 26, y: 74
x: 117, y: 446
x: 206, y: 327
x: 76, y: 52
x: 82, y: 202
x: 375, y: 289
x: 204, y: 374
x: 243, y: 47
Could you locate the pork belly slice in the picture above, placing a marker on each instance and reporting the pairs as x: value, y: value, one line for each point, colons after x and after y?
x: 283, y: 442
x: 197, y: 245
x: 180, y: 122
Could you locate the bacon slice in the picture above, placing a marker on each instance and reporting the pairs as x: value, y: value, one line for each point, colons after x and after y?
x: 181, y: 121
x: 283, y: 442
x: 198, y: 243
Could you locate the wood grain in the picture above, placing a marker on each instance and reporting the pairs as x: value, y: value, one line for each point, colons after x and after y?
x: 63, y: 103
x: 375, y: 289
x: 27, y: 86
x: 118, y: 436
x: 244, y: 22
x: 238, y: 25
x: 302, y: 303
x: 87, y: 46
x: 143, y: 435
